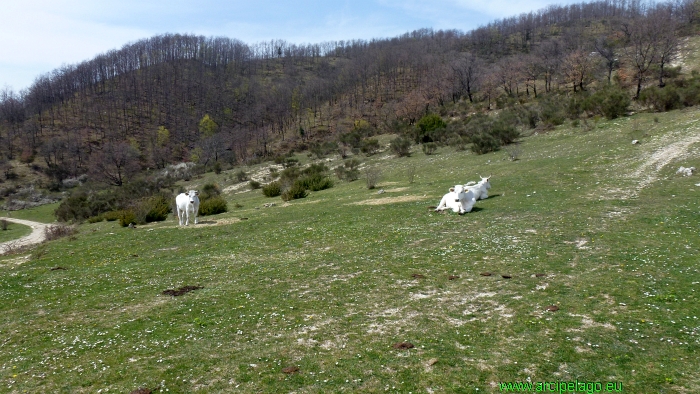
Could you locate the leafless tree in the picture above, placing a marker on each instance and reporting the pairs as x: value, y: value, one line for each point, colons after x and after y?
x: 115, y: 164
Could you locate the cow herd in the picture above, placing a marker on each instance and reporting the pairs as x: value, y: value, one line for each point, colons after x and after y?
x: 461, y: 198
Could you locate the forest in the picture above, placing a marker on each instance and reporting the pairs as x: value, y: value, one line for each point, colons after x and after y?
x: 217, y: 101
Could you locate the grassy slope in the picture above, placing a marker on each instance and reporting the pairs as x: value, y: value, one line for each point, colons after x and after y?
x: 326, y: 284
x: 14, y: 231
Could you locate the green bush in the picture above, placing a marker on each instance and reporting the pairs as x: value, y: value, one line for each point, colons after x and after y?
x: 315, y: 182
x: 504, y: 132
x: 661, y: 99
x: 691, y: 93
x: 111, y: 215
x: 370, y: 146
x: 289, y: 176
x: 610, y: 102
x: 314, y: 169
x: 400, y: 146
x: 241, y: 176
x: 254, y: 185
x: 551, y: 111
x: 208, y: 191
x: 213, y: 206
x: 157, y: 208
x: 429, y: 148
x: 127, y: 217
x: 484, y: 142
x: 96, y: 219
x: 272, y: 189
x: 295, y: 192
x: 430, y: 128
x: 349, y: 171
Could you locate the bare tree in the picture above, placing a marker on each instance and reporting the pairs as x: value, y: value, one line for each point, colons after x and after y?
x: 115, y: 164
x: 608, y: 47
x: 667, y: 40
x: 468, y: 69
x: 641, y: 50
x: 578, y: 69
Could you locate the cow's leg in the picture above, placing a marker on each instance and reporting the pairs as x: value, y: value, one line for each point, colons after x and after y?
x: 195, y: 217
x: 442, y: 206
x: 179, y: 215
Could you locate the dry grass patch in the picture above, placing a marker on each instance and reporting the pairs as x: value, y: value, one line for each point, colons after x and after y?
x: 388, y: 200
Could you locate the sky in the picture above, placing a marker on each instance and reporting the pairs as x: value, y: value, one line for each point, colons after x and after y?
x: 39, y: 36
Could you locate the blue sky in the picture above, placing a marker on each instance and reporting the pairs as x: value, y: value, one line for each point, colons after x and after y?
x: 38, y: 36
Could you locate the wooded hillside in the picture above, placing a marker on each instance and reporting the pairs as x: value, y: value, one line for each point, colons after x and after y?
x: 174, y: 98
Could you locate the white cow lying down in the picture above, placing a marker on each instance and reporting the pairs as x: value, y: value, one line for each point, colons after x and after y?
x: 481, y: 188
x: 458, y: 200
x: 187, y: 204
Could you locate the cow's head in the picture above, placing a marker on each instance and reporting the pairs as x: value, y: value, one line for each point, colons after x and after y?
x: 485, y: 181
x: 192, y: 195
x: 459, y: 190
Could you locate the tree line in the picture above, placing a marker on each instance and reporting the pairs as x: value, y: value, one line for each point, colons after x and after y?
x: 174, y: 97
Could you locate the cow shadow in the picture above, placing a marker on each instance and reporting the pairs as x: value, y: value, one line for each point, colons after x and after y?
x: 207, y: 222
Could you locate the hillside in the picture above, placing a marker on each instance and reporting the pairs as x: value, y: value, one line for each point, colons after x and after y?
x: 175, y: 98
x: 333, y: 284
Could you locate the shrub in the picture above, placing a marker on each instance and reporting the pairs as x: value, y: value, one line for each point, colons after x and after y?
x: 217, y: 168
x: 241, y: 176
x: 314, y: 169
x: 111, y: 216
x: 401, y: 147
x: 691, y: 94
x: 349, y: 171
x: 551, y: 112
x: 610, y: 102
x: 484, y: 143
x: 661, y: 99
x: 370, y: 146
x: 157, y: 208
x: 295, y: 192
x: 254, y: 185
x: 429, y: 128
x: 429, y: 148
x: 272, y: 189
x: 208, y: 191
x: 372, y: 175
x: 57, y: 231
x: 504, y: 132
x: 321, y: 150
x: 96, y: 219
x: 127, y: 217
x: 213, y: 206
x: 457, y: 141
x: 288, y: 176
x: 315, y: 182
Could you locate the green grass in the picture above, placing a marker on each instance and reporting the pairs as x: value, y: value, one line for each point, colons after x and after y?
x: 43, y: 213
x: 331, y: 282
x: 14, y: 231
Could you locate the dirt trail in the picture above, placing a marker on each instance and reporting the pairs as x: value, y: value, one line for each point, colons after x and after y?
x: 37, y: 235
x: 649, y: 170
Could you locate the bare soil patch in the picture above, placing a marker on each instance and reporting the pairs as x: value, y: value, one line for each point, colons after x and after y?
x: 403, y: 345
x: 290, y: 370
x: 388, y: 200
x: 182, y: 290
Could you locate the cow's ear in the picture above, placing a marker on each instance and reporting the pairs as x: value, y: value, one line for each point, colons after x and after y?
x: 452, y: 189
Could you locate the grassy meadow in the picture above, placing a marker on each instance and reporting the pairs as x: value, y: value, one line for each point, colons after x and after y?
x: 315, y: 295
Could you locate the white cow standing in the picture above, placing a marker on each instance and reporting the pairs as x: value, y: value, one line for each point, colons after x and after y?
x: 481, y: 188
x: 458, y: 200
x: 187, y: 204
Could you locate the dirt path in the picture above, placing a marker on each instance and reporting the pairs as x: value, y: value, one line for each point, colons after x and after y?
x: 37, y: 235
